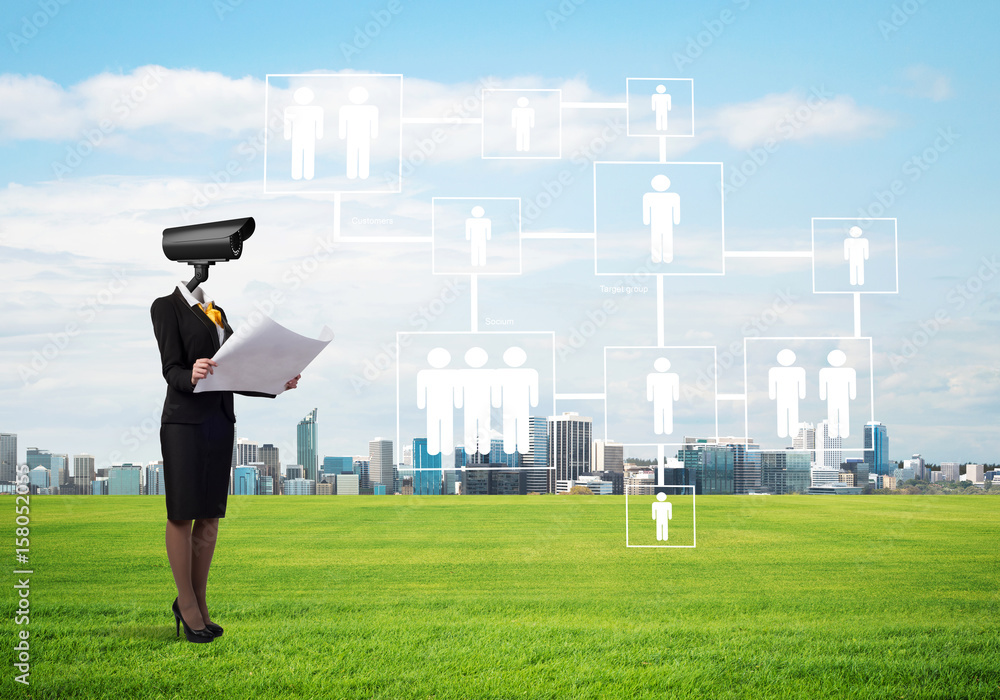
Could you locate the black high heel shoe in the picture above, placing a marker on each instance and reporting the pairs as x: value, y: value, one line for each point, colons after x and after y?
x: 195, y: 636
x: 214, y: 629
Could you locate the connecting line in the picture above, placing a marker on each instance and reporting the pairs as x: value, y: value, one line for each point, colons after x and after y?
x: 857, y: 314
x: 593, y: 105
x: 659, y: 311
x: 730, y: 397
x: 441, y: 120
x: 474, y: 300
x: 663, y: 149
x: 558, y: 235
x: 768, y: 254
x: 338, y: 238
x: 572, y: 397
x: 660, y: 463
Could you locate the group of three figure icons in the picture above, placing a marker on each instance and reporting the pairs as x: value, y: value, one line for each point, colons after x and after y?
x: 358, y: 125
x: 838, y: 385
x: 477, y: 390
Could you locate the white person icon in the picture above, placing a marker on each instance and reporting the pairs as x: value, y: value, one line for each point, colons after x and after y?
x: 856, y: 252
x: 663, y: 388
x: 358, y: 126
x: 478, y: 230
x: 838, y: 385
x: 661, y: 106
x: 516, y: 389
x: 522, y: 120
x: 473, y: 394
x: 303, y: 126
x: 661, y: 211
x: 436, y: 394
x: 663, y: 511
x: 787, y: 385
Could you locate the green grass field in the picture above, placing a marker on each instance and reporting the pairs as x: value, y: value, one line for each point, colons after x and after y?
x: 522, y: 597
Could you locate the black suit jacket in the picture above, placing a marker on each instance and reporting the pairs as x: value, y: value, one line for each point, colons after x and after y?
x: 184, y: 334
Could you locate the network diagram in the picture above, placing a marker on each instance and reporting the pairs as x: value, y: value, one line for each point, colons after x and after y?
x: 652, y: 219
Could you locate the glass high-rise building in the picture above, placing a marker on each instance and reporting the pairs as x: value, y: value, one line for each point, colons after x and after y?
x: 8, y: 456
x: 308, y: 453
x: 536, y: 462
x: 427, y: 470
x: 786, y: 471
x: 877, y: 449
x: 570, y: 439
x: 338, y: 465
x: 498, y: 456
x: 245, y: 481
x: 710, y: 468
x: 125, y: 480
x: 154, y: 480
x: 381, y: 469
x: 830, y: 445
x: 246, y: 452
x: 361, y: 469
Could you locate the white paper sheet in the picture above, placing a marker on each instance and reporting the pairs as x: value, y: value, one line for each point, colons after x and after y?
x: 262, y: 358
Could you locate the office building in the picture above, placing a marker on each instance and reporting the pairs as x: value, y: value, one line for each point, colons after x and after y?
x: 245, y: 479
x: 950, y: 471
x: 270, y: 456
x: 536, y: 461
x: 570, y: 439
x: 347, y: 484
x: 154, y: 480
x: 125, y: 480
x: 609, y: 456
x: 43, y: 458
x: 494, y: 479
x: 426, y: 471
x: 904, y: 474
x: 858, y: 469
x: 821, y: 476
x: 876, y: 452
x: 974, y: 473
x: 786, y: 471
x: 307, y: 443
x: 917, y: 465
x: 300, y: 487
x: 498, y: 456
x: 828, y: 446
x: 83, y: 473
x: 710, y: 468
x: 39, y: 478
x: 327, y: 486
x: 616, y: 479
x: 99, y: 486
x: 381, y: 468
x: 361, y: 470
x: 597, y: 485
x: 642, y: 482
x: 8, y: 457
x: 836, y: 488
x: 294, y: 471
x: 246, y: 452
x: 338, y: 465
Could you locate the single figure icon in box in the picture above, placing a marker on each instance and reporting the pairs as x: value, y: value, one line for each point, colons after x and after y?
x: 436, y: 394
x: 515, y: 388
x: 838, y: 385
x: 358, y: 126
x: 663, y: 388
x: 856, y: 252
x: 662, y: 513
x: 303, y: 126
x: 478, y: 230
x: 661, y: 211
x: 787, y: 385
x: 661, y: 106
x: 522, y: 120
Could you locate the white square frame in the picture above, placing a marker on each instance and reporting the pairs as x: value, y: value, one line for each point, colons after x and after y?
x: 628, y: 113
x: 520, y: 239
x: 482, y: 133
x: 694, y: 522
x: 895, y: 242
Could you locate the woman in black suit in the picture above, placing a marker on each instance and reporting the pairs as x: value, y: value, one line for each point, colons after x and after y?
x: 196, y: 439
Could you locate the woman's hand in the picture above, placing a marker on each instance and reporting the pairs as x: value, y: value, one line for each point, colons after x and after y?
x: 202, y: 368
x: 292, y: 383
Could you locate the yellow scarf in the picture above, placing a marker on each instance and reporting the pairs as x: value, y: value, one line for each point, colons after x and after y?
x: 212, y: 313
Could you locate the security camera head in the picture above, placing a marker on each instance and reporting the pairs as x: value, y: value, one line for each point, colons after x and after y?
x: 205, y: 244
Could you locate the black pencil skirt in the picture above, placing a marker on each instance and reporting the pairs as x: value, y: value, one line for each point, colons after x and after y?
x: 197, y: 458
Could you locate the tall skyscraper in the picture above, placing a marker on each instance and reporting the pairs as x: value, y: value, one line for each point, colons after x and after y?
x: 570, y: 437
x: 306, y: 443
x: 805, y: 439
x: 536, y: 462
x: 498, y: 456
x: 361, y: 469
x: 427, y: 472
x: 83, y: 473
x: 154, y: 479
x: 8, y: 456
x: 877, y: 448
x: 270, y: 456
x: 381, y: 469
x: 829, y: 446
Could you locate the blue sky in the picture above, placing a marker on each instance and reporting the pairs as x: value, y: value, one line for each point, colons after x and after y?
x: 902, y: 81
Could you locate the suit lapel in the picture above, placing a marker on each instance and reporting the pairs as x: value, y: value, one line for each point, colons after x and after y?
x: 202, y: 317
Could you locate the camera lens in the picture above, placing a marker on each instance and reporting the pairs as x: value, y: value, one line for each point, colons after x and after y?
x: 236, y: 243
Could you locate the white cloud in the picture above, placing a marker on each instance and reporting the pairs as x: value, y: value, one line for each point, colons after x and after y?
x: 794, y: 116
x: 928, y: 83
